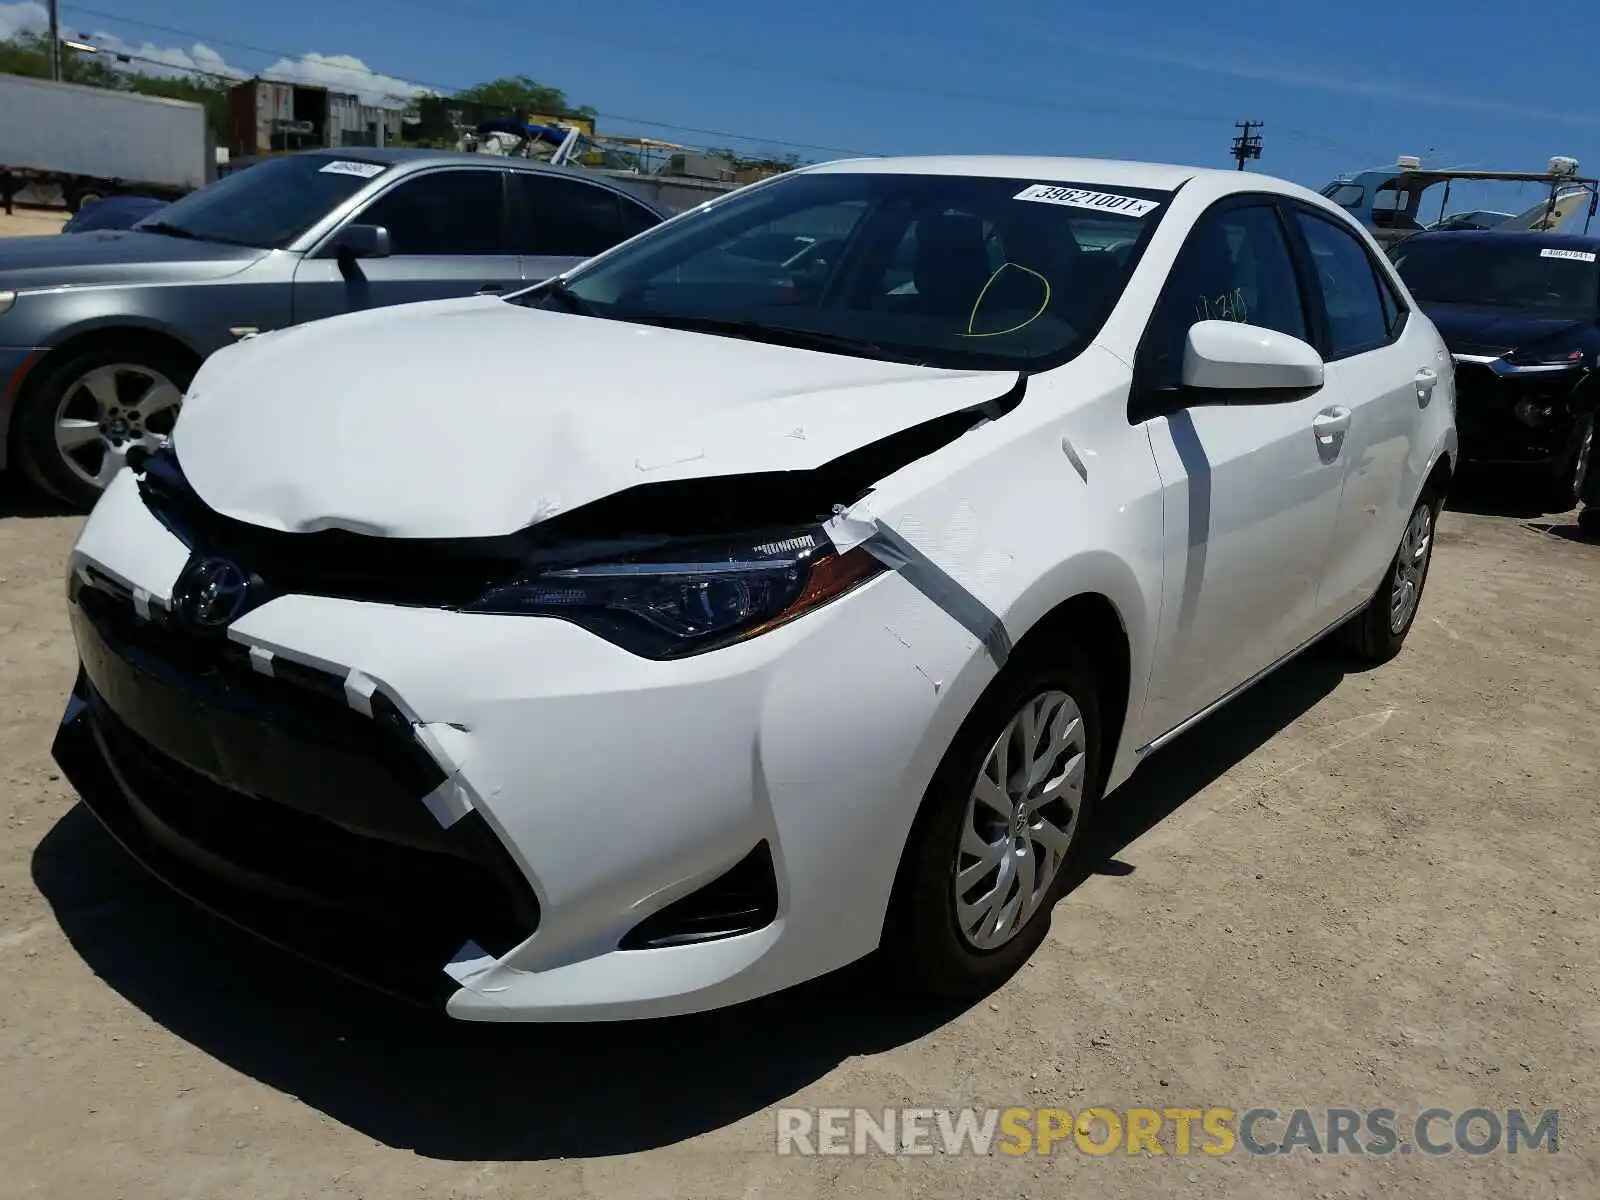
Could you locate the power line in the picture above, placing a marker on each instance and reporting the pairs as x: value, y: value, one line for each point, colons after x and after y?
x: 421, y: 83
x: 1032, y: 102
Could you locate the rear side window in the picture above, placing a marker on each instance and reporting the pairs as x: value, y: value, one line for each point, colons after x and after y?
x: 1235, y: 266
x: 567, y: 218
x: 443, y: 212
x: 1360, y: 316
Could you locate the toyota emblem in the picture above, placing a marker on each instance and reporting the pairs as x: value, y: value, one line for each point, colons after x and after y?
x: 211, y: 593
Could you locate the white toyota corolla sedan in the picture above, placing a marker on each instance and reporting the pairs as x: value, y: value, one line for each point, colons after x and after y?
x: 791, y: 582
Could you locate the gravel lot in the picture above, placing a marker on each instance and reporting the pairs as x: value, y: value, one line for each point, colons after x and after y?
x: 1346, y: 889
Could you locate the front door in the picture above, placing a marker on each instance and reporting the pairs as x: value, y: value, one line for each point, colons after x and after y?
x: 1251, y: 489
x: 449, y: 237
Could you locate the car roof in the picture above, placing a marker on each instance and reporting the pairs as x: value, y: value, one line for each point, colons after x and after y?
x: 407, y: 156
x: 1105, y: 172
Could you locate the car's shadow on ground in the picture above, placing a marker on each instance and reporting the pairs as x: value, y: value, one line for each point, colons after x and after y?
x: 1493, y: 494
x: 468, y: 1092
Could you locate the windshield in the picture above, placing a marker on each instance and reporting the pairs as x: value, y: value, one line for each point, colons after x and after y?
x: 267, y: 205
x: 1504, y: 270
x: 946, y: 270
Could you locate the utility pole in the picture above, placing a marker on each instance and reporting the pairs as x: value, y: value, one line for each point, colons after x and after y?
x: 1248, y: 143
x: 55, y: 40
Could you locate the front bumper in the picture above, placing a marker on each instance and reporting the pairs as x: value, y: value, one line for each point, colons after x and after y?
x: 1493, y: 431
x: 515, y: 798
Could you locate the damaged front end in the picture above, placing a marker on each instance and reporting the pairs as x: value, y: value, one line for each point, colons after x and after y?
x: 307, y: 803
x: 662, y: 569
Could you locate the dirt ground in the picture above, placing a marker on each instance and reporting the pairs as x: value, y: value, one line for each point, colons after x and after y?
x: 31, y: 222
x: 1360, y: 890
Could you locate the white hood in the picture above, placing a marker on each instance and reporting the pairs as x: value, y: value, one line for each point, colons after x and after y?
x: 472, y: 418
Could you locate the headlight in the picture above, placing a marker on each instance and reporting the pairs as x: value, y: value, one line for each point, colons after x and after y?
x: 7, y: 299
x: 692, y: 596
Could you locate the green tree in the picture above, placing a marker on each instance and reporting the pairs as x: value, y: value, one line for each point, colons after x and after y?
x: 518, y: 94
x: 29, y: 54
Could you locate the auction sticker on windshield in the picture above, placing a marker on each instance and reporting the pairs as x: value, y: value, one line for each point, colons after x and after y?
x: 1576, y: 255
x: 1071, y: 197
x: 363, y: 169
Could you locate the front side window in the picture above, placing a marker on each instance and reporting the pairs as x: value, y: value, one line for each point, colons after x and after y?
x: 443, y: 212
x: 1501, y: 271
x: 269, y: 204
x: 948, y: 270
x: 1235, y: 266
x: 1357, y: 320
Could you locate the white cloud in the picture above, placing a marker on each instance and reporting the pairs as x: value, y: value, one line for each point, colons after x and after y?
x: 344, y: 73
x: 26, y: 17
x: 338, y: 72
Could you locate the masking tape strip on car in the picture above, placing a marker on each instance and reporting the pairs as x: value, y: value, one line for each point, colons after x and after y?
x: 922, y: 573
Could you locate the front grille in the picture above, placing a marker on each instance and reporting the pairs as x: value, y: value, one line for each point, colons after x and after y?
x: 275, y: 784
x: 275, y: 850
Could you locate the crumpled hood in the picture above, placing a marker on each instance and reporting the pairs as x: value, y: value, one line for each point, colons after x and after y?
x: 115, y: 256
x: 477, y: 418
x: 1470, y: 330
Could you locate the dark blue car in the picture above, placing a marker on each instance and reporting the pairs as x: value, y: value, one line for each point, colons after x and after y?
x: 113, y: 212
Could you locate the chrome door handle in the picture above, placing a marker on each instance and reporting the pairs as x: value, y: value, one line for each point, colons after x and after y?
x: 1330, y: 423
x: 1427, y: 379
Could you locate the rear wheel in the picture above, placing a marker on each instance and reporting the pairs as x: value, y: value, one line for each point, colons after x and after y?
x: 998, y: 832
x: 77, y: 421
x: 1376, y: 633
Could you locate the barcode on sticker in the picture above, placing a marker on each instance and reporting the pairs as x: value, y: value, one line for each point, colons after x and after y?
x: 364, y: 170
x: 1071, y: 197
x: 1575, y: 255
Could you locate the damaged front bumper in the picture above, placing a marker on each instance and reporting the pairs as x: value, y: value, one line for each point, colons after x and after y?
x: 507, y: 814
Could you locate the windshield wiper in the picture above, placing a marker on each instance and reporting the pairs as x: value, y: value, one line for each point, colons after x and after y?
x: 176, y: 231
x: 778, y: 335
x: 562, y: 291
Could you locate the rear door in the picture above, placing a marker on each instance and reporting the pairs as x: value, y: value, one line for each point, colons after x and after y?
x: 557, y: 221
x: 1384, y: 368
x: 449, y: 230
x: 1251, y: 494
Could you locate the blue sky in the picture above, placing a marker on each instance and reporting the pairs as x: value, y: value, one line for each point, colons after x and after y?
x: 1339, y: 86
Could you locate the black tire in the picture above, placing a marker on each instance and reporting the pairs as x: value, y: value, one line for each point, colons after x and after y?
x: 923, y: 945
x: 1589, y: 520
x: 1562, y: 490
x: 1370, y: 637
x: 33, y: 422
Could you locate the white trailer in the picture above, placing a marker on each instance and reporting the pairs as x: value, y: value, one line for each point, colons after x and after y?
x: 90, y: 142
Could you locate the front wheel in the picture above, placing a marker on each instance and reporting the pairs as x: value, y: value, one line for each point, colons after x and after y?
x: 1376, y: 633
x: 998, y: 831
x: 76, y: 423
x: 1565, y: 486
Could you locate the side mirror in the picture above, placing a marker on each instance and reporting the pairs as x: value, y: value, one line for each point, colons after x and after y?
x: 1222, y: 359
x: 362, y: 241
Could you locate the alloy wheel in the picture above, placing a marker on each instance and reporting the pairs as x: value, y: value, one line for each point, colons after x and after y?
x: 1411, y: 565
x: 1020, y: 820
x: 107, y: 412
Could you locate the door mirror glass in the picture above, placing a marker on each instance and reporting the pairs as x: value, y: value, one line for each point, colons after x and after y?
x: 1221, y: 358
x: 363, y: 241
